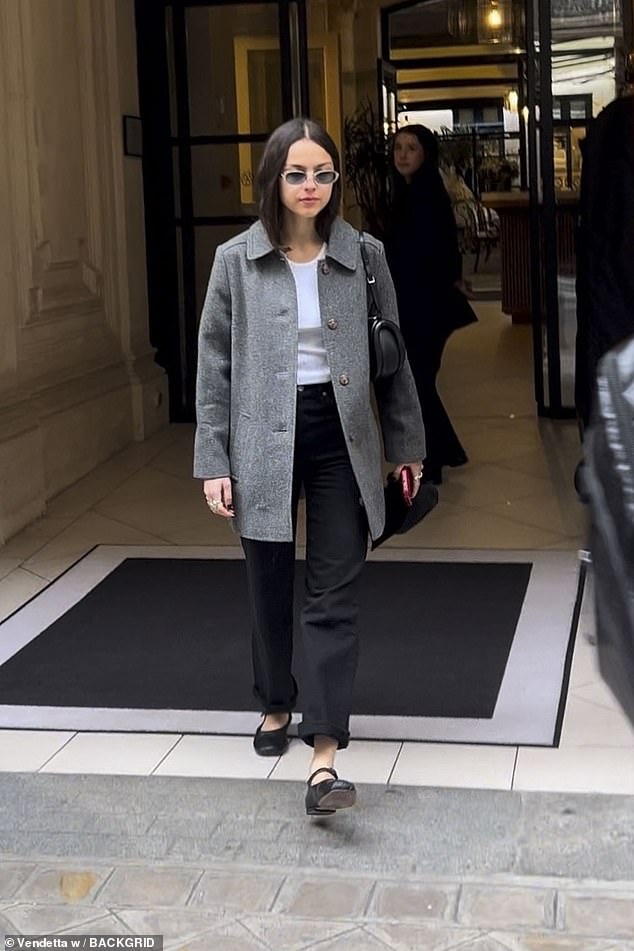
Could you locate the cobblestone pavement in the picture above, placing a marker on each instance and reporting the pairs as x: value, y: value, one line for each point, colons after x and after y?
x: 244, y: 908
x: 230, y: 865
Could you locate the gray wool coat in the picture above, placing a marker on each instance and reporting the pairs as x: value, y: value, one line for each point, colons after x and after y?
x: 247, y: 377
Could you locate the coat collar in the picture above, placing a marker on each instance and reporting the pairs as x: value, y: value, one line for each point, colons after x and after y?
x: 342, y: 246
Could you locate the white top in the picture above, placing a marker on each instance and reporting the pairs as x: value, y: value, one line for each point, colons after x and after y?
x: 312, y: 363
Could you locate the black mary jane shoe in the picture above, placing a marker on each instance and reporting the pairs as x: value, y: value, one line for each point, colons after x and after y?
x: 271, y: 742
x: 323, y: 799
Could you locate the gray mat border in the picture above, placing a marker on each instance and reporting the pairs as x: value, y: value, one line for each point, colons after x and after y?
x: 528, y: 704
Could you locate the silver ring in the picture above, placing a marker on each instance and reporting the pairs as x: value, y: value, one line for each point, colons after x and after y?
x: 214, y: 504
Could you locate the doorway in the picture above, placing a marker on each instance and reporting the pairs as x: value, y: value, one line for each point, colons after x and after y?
x: 536, y: 73
x: 215, y: 79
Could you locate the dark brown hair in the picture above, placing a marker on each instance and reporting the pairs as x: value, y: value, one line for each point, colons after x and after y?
x: 427, y: 139
x: 270, y: 206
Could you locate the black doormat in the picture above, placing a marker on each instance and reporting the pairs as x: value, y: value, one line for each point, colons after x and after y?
x: 173, y: 634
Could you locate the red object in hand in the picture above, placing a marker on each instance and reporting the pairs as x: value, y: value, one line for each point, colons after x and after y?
x: 407, y: 485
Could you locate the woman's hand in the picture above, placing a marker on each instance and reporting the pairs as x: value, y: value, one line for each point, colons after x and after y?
x: 416, y: 469
x: 218, y: 496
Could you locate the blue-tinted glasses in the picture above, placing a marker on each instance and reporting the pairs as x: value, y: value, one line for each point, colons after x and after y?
x: 326, y: 176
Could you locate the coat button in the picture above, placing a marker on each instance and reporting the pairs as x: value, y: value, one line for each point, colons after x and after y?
x: 344, y: 379
x: 332, y: 324
x: 324, y: 268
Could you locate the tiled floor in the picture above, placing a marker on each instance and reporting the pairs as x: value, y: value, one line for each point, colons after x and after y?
x: 516, y: 493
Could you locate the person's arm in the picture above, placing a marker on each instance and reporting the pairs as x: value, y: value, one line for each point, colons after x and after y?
x: 447, y: 236
x: 400, y: 415
x: 213, y: 382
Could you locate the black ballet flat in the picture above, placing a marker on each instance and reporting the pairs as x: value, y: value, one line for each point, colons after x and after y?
x: 323, y: 799
x: 271, y: 742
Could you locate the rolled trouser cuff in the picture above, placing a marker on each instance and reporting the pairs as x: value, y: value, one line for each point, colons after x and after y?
x: 307, y: 732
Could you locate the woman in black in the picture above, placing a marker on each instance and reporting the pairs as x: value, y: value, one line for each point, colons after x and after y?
x: 426, y: 265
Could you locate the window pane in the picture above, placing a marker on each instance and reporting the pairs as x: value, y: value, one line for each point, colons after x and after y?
x: 222, y: 179
x: 234, y: 69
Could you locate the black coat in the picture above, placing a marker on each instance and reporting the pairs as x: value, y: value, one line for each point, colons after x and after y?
x: 425, y: 260
x: 605, y: 267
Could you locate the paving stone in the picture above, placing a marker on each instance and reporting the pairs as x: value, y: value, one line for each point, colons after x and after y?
x: 320, y: 897
x: 110, y: 925
x: 232, y: 937
x: 175, y: 924
x: 63, y: 883
x: 544, y: 942
x: 423, y: 937
x: 12, y: 875
x: 498, y: 907
x: 139, y: 885
x: 6, y: 927
x: 34, y: 919
x: 243, y: 892
x: 487, y: 943
x: 588, y: 914
x: 357, y: 940
x: 294, y: 934
x: 408, y: 900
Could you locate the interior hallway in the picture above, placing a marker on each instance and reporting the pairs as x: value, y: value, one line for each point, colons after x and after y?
x: 516, y: 493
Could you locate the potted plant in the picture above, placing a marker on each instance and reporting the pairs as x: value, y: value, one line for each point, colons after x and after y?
x: 367, y: 164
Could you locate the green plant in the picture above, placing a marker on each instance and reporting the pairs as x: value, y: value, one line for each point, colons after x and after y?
x: 367, y: 163
x: 455, y: 147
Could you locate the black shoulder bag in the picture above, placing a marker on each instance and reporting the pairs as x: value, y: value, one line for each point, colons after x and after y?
x: 386, y: 344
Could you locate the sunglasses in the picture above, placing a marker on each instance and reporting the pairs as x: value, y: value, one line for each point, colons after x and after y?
x: 324, y: 177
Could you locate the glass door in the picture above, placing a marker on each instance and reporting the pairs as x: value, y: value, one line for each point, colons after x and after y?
x: 215, y: 79
x: 572, y: 63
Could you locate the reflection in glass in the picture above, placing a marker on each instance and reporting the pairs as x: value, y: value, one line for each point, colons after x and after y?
x: 221, y: 177
x: 214, y: 35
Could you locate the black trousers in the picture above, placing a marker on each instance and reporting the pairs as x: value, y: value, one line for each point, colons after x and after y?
x: 336, y: 545
x: 443, y: 445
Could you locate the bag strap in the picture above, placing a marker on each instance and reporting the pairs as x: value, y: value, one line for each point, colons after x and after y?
x: 373, y: 310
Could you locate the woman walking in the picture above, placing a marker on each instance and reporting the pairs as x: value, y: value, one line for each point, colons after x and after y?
x: 284, y: 404
x: 426, y: 265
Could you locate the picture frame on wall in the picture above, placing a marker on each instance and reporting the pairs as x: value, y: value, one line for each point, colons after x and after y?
x: 132, y: 136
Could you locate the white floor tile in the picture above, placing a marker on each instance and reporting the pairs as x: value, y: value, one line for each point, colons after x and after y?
x: 96, y: 485
x: 470, y: 767
x: 545, y: 513
x: 34, y: 537
x: 480, y: 486
x: 597, y: 693
x: 224, y: 756
x: 7, y: 565
x: 135, y: 754
x: 583, y: 770
x: 364, y: 761
x: 585, y: 663
x: 587, y: 724
x: 16, y: 588
x: 24, y: 751
x: 86, y: 532
x: 171, y: 507
x: 473, y: 529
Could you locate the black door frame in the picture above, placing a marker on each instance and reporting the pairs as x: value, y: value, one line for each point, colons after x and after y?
x: 538, y: 171
x: 174, y: 334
